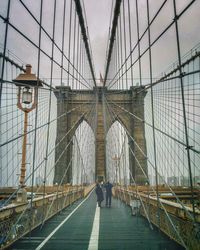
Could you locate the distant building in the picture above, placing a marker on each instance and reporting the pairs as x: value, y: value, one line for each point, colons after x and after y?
x: 196, y: 180
x: 173, y: 181
x: 161, y: 180
x: 152, y: 179
x: 38, y: 180
x: 184, y: 181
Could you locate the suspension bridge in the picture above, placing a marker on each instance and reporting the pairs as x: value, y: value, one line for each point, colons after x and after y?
x: 63, y: 129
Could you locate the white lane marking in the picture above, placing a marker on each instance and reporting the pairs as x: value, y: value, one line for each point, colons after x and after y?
x: 60, y: 225
x: 94, y: 238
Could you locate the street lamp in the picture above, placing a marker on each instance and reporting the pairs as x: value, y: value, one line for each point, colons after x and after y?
x: 27, y: 100
x: 116, y: 159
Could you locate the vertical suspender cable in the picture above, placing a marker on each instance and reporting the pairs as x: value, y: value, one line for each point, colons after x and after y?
x: 184, y: 109
x: 74, y: 46
x: 2, y: 77
x: 153, y: 121
x: 69, y: 45
x: 138, y: 38
x: 121, y: 50
x: 125, y: 43
x: 50, y: 94
x: 77, y: 56
x: 4, y: 50
x: 130, y: 40
x: 36, y: 118
x: 118, y: 57
x: 63, y: 43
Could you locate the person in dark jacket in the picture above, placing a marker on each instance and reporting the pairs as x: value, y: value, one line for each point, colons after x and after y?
x: 108, y: 188
x: 99, y: 194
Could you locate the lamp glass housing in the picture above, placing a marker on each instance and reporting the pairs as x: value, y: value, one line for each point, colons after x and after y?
x: 26, y: 96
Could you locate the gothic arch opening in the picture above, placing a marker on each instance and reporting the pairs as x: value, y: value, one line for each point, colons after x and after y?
x: 117, y: 155
x: 83, y: 155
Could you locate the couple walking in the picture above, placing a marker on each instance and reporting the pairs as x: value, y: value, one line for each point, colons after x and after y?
x: 99, y: 192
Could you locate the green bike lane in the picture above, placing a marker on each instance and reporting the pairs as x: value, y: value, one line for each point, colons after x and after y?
x: 74, y: 234
x: 117, y: 229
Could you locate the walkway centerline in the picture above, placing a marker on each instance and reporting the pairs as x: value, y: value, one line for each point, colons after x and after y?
x: 94, y: 238
x: 61, y: 224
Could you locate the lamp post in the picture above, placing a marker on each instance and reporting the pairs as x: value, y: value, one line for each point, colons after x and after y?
x: 116, y: 159
x: 27, y: 100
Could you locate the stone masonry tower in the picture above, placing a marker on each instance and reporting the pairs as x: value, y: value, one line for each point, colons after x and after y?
x: 100, y: 138
x: 72, y: 110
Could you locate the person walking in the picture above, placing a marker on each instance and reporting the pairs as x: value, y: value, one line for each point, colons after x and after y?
x: 99, y: 194
x: 108, y: 188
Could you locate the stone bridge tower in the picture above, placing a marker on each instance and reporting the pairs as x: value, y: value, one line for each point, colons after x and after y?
x: 72, y: 110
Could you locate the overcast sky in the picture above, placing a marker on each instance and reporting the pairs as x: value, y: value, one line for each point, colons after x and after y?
x: 98, y: 18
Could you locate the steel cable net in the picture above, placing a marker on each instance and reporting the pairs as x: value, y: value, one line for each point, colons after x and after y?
x: 52, y: 37
x: 144, y: 40
x: 171, y: 98
x: 148, y: 53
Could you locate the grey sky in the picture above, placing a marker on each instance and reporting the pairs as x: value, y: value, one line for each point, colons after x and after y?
x: 165, y: 52
x: 98, y: 18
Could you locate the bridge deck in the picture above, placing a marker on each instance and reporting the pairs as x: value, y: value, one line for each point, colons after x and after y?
x: 117, y: 230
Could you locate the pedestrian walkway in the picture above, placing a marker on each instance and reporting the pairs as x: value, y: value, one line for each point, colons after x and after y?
x: 84, y: 226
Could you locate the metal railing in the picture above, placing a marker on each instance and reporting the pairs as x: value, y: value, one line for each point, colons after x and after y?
x: 18, y: 219
x: 174, y: 220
